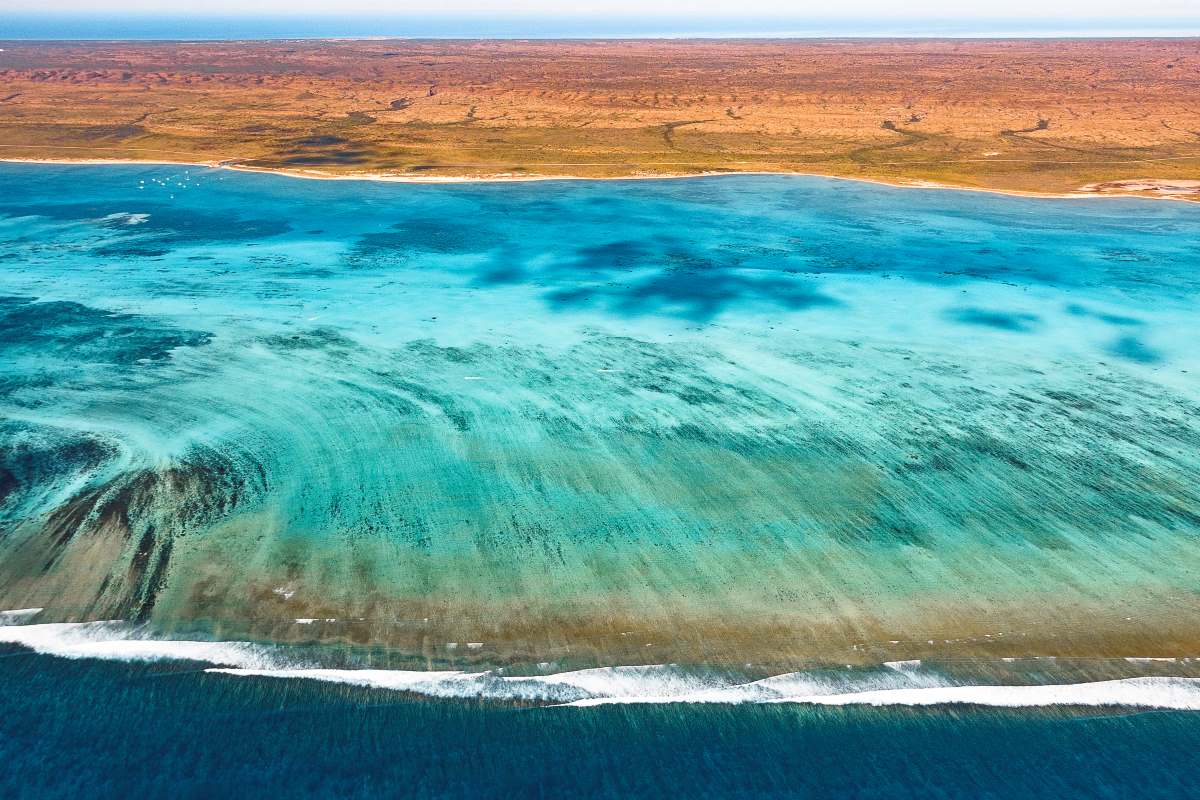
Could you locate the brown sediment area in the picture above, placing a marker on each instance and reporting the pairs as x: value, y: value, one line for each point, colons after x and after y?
x: 1090, y: 117
x: 775, y: 643
x: 442, y: 630
x: 489, y: 638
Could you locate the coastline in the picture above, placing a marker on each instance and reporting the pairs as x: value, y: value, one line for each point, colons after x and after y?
x: 376, y: 177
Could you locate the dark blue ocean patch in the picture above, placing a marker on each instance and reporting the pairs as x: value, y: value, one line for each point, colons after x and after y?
x: 133, y: 249
x: 82, y: 334
x: 662, y: 274
x: 613, y: 256
x: 149, y: 229
x: 1119, y: 320
x: 504, y: 272
x: 432, y: 235
x: 697, y: 296
x: 1134, y: 349
x: 1015, y: 321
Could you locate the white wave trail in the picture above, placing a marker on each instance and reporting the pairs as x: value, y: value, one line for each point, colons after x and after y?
x: 665, y: 684
x: 1182, y: 694
x: 563, y: 687
x: 120, y: 641
x: 886, y: 686
x: 1155, y: 692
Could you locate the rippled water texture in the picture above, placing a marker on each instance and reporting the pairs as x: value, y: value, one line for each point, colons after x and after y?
x: 178, y: 733
x: 713, y: 421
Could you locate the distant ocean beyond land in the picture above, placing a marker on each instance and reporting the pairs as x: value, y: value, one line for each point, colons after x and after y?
x: 248, y: 26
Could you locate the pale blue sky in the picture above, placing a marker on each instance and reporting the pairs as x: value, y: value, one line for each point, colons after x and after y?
x: 1143, y: 10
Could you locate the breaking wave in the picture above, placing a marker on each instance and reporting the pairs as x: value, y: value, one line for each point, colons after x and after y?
x: 120, y: 641
x: 906, y: 683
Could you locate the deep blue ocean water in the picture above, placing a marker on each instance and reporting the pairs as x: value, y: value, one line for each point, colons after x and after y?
x: 71, y: 729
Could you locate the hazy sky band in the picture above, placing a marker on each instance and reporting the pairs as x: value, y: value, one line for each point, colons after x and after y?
x: 682, y: 9
x: 21, y: 24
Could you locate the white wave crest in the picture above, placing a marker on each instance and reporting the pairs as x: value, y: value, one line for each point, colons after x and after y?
x: 665, y: 684
x: 1157, y: 692
x: 886, y: 686
x: 563, y: 687
x: 120, y: 641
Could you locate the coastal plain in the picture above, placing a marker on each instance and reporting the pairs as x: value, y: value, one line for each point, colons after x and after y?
x: 1052, y: 116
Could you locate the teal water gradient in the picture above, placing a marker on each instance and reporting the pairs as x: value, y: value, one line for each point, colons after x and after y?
x: 718, y: 420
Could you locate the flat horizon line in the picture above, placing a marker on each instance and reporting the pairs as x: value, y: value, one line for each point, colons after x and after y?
x: 59, y: 26
x: 636, y: 37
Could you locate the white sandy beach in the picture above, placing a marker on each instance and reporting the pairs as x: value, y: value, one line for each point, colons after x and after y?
x: 1151, y: 188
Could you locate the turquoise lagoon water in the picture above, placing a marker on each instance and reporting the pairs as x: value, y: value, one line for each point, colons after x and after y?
x: 790, y: 486
x: 739, y: 453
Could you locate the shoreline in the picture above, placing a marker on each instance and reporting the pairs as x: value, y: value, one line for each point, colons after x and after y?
x: 376, y: 177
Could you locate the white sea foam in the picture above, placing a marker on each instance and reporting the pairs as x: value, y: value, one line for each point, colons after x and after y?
x: 665, y: 684
x: 120, y: 641
x: 17, y: 615
x: 1163, y: 693
x: 563, y: 687
x: 429, y: 682
x: 894, y: 684
x: 1167, y: 693
x: 126, y: 217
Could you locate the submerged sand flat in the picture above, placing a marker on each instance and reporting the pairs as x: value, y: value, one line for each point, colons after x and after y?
x: 1016, y: 115
x: 717, y: 421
